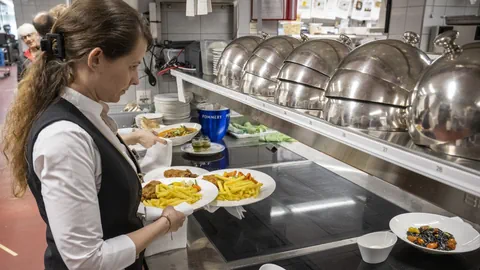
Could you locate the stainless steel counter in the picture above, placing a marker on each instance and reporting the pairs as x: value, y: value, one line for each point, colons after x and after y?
x: 202, y: 253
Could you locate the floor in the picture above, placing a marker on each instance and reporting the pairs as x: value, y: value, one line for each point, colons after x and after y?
x: 22, y: 231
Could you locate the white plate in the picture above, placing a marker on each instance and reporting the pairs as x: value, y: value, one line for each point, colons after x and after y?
x: 209, y: 192
x: 468, y: 239
x: 183, y: 139
x: 159, y: 173
x: 266, y: 190
x: 255, y: 135
x: 215, y: 148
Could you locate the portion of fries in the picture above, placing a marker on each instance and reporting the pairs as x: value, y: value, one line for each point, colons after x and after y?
x: 235, y: 186
x: 174, y: 194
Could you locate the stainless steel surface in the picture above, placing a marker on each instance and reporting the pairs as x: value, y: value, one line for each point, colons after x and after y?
x: 261, y: 68
x: 393, y: 61
x: 296, y: 73
x: 257, y: 86
x: 299, y: 96
x: 355, y: 85
x: 445, y: 113
x: 233, y: 59
x: 314, y: 113
x: 367, y: 116
x: 200, y: 254
x: 290, y: 254
x: 443, y: 195
x: 322, y: 55
x: 276, y: 49
x: 462, y: 20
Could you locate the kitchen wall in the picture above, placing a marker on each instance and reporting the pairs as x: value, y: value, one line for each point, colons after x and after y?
x: 436, y: 10
x: 406, y: 15
x: 25, y: 10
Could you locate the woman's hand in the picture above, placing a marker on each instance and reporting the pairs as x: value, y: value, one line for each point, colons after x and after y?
x: 175, y: 217
x: 146, y: 138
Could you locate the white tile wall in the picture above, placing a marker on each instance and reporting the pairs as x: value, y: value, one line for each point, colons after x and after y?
x: 406, y: 15
x: 436, y: 10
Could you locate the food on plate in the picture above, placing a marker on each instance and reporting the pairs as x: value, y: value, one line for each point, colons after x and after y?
x: 201, y: 144
x: 235, y: 186
x: 149, y: 123
x: 432, y: 238
x: 173, y: 173
x: 246, y: 128
x: 160, y: 195
x: 176, y: 132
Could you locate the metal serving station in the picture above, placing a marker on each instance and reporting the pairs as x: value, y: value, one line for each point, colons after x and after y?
x: 346, y: 176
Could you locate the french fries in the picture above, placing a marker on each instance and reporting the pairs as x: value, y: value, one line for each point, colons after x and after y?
x: 235, y: 186
x: 174, y: 194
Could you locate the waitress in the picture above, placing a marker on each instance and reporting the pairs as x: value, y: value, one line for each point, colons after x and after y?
x: 60, y: 143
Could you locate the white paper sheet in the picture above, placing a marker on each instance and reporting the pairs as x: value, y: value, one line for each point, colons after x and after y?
x: 304, y: 9
x: 324, y: 9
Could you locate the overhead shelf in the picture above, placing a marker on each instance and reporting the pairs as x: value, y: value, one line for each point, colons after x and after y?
x: 461, y: 174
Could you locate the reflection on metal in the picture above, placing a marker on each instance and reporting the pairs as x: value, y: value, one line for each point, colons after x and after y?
x: 300, y: 96
x: 447, y: 197
x: 445, y: 113
x: 365, y: 116
x: 290, y: 254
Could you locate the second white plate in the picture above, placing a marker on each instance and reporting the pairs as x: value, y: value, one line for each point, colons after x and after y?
x: 215, y: 148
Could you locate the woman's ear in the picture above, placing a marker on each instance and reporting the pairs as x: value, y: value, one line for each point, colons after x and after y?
x: 95, y: 58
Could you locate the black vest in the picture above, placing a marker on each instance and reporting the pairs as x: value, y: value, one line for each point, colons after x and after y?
x: 120, y: 190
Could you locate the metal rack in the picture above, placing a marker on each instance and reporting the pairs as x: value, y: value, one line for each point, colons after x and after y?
x: 461, y: 174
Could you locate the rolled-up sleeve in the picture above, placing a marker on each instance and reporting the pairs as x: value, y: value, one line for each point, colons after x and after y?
x: 66, y: 161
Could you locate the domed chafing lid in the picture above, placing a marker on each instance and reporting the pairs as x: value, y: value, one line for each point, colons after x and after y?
x: 446, y: 105
x: 394, y: 61
x: 239, y: 50
x: 276, y: 49
x: 322, y: 55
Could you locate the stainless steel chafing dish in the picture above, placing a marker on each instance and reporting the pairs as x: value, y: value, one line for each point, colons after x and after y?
x: 265, y: 63
x: 305, y: 74
x: 445, y: 113
x: 233, y: 59
x: 371, y: 88
x: 382, y: 71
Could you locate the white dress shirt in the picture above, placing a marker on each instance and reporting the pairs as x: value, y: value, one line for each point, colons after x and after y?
x: 67, y: 162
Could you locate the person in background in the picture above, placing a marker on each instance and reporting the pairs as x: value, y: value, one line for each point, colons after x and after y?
x: 58, y: 142
x: 43, y: 22
x: 29, y: 35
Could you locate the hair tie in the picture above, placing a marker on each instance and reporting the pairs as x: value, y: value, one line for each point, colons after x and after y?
x: 54, y: 45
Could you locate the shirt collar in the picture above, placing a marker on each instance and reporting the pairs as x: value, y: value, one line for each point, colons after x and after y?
x: 82, y: 102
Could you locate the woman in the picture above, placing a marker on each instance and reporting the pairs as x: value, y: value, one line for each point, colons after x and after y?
x: 30, y: 37
x: 81, y: 174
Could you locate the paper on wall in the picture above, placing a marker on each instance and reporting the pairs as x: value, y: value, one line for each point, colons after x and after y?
x: 191, y: 8
x: 324, y: 9
x: 343, y: 9
x: 304, y: 9
x: 366, y: 10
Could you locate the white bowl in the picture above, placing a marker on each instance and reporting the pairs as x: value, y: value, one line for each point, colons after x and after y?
x: 468, y: 239
x: 270, y: 266
x: 375, y: 247
x: 183, y: 139
x: 158, y: 117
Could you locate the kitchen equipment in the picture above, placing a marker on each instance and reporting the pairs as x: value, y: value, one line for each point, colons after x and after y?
x: 172, y: 109
x: 300, y: 96
x: 266, y: 190
x: 210, y: 49
x: 261, y: 70
x: 468, y: 239
x: 234, y: 57
x: 365, y: 115
x: 181, y: 139
x: 257, y: 86
x: 372, y: 87
x: 214, y: 120
x: 375, y: 247
x: 393, y: 62
x: 289, y: 27
x: 445, y: 112
x: 306, y: 72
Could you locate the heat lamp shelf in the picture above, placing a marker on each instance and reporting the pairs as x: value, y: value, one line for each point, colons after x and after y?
x: 447, y: 172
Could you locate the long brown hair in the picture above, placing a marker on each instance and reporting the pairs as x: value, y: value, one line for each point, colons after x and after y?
x: 111, y: 25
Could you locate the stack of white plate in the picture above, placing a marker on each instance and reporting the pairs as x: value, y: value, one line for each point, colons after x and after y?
x: 173, y: 110
x: 217, y: 53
